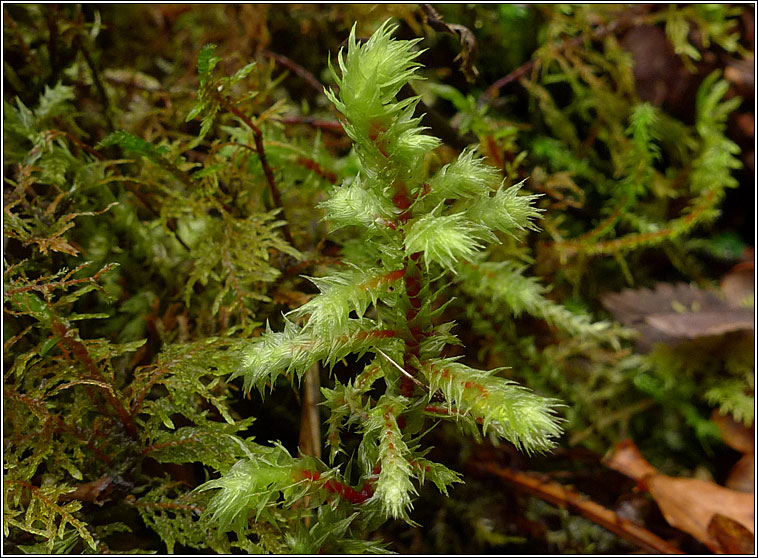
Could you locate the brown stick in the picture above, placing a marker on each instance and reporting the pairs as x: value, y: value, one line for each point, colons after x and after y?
x: 562, y: 496
x: 629, y: 18
x: 30, y: 58
x: 491, y: 93
x: 330, y: 125
x: 308, y: 77
x: 45, y: 287
x: 258, y: 135
x: 310, y: 423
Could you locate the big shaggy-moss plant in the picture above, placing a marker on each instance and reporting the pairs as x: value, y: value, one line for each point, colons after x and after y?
x: 413, y: 231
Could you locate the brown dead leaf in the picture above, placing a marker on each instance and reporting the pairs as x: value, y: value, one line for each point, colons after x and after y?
x: 669, y: 313
x: 687, y: 504
x: 742, y: 475
x: 735, y: 434
x: 738, y: 285
x: 96, y: 491
x: 741, y: 438
x: 691, y: 325
x: 732, y: 537
x: 467, y: 54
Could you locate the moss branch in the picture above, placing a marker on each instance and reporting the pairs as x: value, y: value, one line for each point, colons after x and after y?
x: 81, y: 354
x: 258, y: 136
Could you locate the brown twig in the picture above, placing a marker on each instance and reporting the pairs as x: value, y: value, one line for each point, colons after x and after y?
x: 30, y: 58
x: 330, y: 125
x: 62, y: 284
x: 258, y: 136
x: 310, y: 423
x: 631, y: 16
x: 562, y: 496
x: 491, y: 93
x: 308, y: 77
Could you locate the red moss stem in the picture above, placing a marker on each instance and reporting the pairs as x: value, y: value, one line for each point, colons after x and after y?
x: 341, y: 489
x: 80, y: 353
x: 258, y: 137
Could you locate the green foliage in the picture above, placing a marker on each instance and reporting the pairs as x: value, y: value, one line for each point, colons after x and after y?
x: 718, y: 371
x: 155, y: 219
x: 716, y: 23
x: 419, y: 236
x: 211, y: 91
x: 496, y: 285
x: 501, y: 407
x: 83, y: 418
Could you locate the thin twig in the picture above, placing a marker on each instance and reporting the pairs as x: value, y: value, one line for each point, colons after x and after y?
x: 82, y: 47
x: 258, y: 136
x: 559, y: 495
x: 491, y: 93
x: 627, y: 19
x: 308, y: 77
x: 310, y: 424
x: 330, y: 125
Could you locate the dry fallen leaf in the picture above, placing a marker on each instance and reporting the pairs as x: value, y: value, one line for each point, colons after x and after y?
x: 733, y: 538
x: 735, y: 434
x: 738, y: 285
x: 467, y: 54
x: 742, y: 475
x: 669, y: 313
x: 96, y: 491
x: 741, y: 438
x: 687, y: 504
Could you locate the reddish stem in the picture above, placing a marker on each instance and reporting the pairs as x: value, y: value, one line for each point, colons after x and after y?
x: 312, y: 165
x: 45, y: 287
x: 79, y: 350
x: 308, y: 77
x: 330, y: 125
x: 344, y: 490
x: 40, y: 408
x: 258, y: 136
x: 412, y: 278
